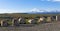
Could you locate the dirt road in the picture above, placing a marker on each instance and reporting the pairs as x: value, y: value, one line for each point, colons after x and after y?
x: 55, y: 26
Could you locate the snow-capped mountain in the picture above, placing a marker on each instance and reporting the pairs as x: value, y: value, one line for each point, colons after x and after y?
x: 39, y: 11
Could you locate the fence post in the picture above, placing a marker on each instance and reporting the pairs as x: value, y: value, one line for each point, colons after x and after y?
x: 56, y: 18
x: 12, y: 22
x: 1, y: 22
x: 49, y: 19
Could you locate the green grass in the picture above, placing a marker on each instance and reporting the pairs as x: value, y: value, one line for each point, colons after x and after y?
x: 27, y: 15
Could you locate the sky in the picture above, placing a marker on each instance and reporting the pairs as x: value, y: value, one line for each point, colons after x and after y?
x: 20, y: 6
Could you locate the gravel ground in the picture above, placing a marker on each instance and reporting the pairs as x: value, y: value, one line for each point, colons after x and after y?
x: 54, y: 26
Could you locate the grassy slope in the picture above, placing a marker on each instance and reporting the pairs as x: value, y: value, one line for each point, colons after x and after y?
x: 25, y: 15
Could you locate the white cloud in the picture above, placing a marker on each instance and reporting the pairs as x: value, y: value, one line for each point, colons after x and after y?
x: 57, y: 0
x: 52, y: 0
x: 11, y: 11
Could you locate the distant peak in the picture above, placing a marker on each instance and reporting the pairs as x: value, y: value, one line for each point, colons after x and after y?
x: 36, y: 10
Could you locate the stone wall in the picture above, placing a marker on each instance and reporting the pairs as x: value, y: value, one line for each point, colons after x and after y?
x: 18, y: 21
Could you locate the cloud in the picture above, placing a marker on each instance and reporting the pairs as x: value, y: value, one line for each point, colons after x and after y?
x: 52, y: 0
x: 11, y: 11
x: 57, y: 0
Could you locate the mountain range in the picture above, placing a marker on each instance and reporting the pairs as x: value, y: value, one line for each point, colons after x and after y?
x: 34, y: 11
x: 38, y: 11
